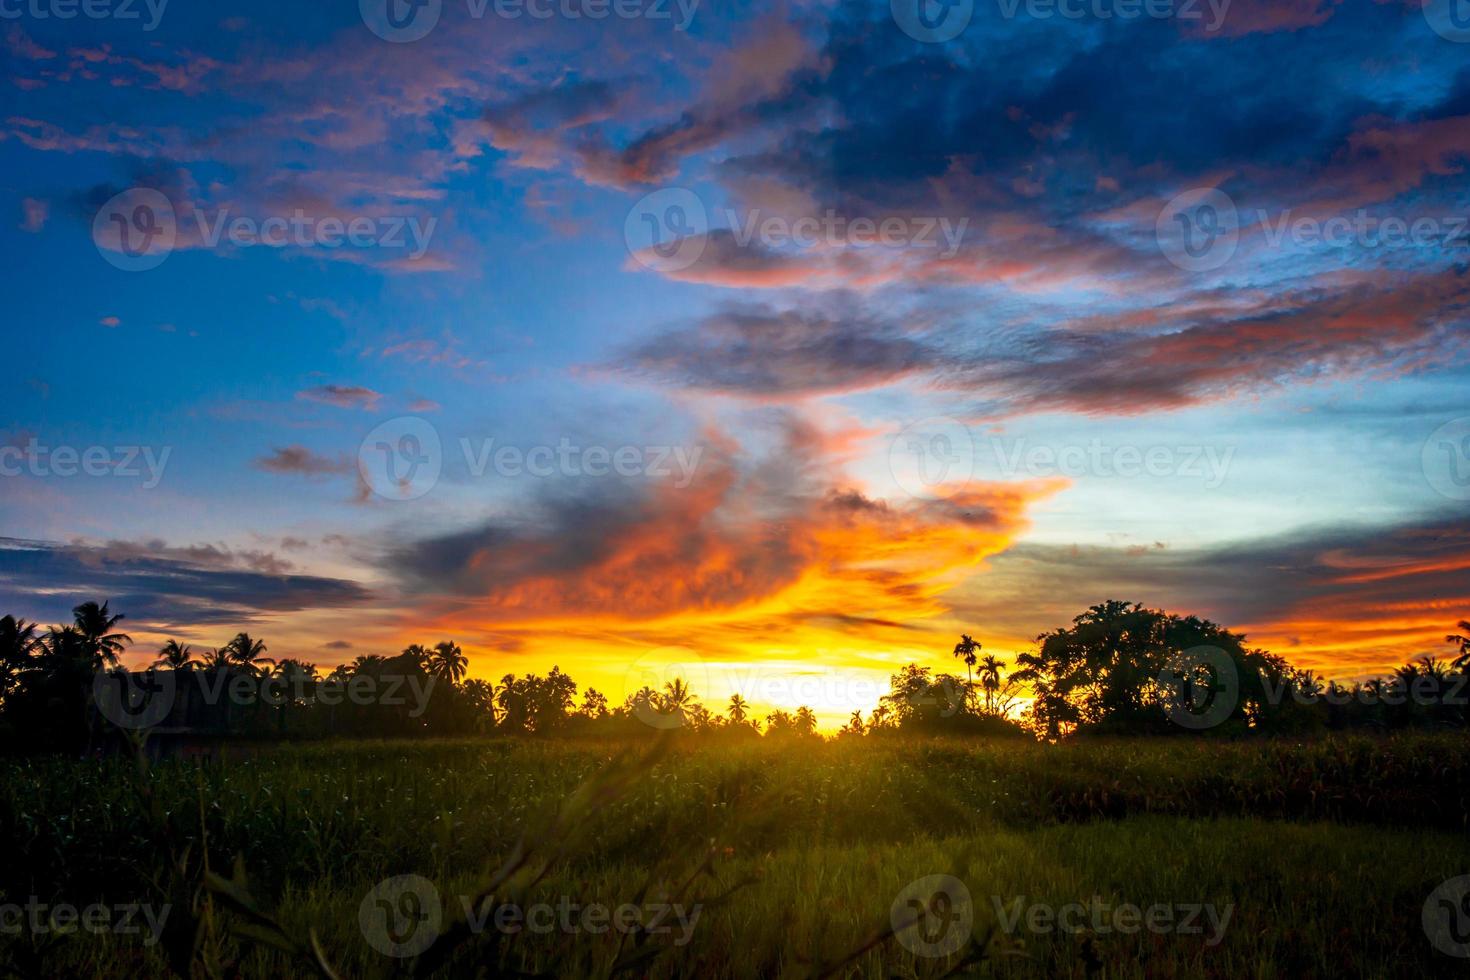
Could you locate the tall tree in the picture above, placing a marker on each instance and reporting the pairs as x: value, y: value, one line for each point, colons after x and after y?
x: 245, y: 651
x: 738, y: 710
x: 967, y: 649
x: 176, y: 656
x: 990, y: 680
x: 95, y: 624
x: 1461, y: 640
x: 447, y: 662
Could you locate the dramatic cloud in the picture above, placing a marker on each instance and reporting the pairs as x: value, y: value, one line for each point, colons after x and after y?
x: 764, y: 352
x: 758, y: 545
x: 161, y: 587
x: 1345, y: 601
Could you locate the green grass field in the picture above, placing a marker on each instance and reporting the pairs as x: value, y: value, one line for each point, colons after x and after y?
x: 1322, y: 855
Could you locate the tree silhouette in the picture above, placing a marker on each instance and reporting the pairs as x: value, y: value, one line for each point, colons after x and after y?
x: 1461, y: 640
x: 245, y: 651
x: 18, y: 643
x: 447, y: 662
x: 176, y: 656
x: 738, y: 709
x: 990, y: 680
x: 967, y: 648
x: 94, y: 623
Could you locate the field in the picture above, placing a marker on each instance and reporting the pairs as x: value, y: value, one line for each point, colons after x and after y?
x: 778, y: 858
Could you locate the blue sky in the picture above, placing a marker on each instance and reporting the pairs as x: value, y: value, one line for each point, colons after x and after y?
x: 1168, y: 238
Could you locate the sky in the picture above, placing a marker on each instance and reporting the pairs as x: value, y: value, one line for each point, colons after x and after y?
x: 769, y: 345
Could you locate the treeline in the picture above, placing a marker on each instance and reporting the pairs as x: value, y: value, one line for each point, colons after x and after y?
x: 1120, y: 668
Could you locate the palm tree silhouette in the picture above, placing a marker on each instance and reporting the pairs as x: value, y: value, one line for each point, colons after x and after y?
x: 18, y: 641
x: 738, y: 706
x: 990, y: 680
x: 95, y: 624
x: 245, y: 651
x: 176, y: 656
x: 1462, y: 640
x: 676, y: 696
x: 447, y: 662
x: 967, y: 648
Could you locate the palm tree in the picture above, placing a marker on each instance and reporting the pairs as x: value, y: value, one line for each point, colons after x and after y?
x: 805, y: 720
x: 738, y: 706
x: 676, y: 696
x: 967, y: 648
x: 480, y: 696
x: 418, y: 653
x: 990, y: 680
x: 18, y: 641
x: 447, y: 662
x: 95, y: 624
x: 176, y: 656
x: 1462, y: 640
x: 245, y: 651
